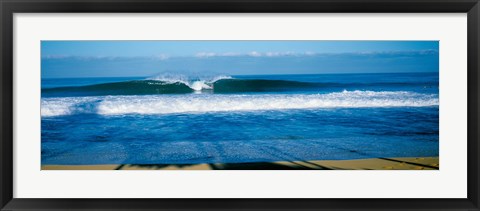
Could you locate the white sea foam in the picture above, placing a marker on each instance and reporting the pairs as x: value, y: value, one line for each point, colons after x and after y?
x: 196, y: 83
x: 167, y: 104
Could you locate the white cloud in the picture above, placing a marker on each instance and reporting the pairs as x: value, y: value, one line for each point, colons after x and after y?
x: 211, y: 54
x: 230, y: 54
x: 254, y: 54
x: 205, y: 54
x: 275, y: 54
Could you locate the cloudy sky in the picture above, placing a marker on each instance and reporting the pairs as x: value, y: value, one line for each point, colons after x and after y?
x: 70, y: 59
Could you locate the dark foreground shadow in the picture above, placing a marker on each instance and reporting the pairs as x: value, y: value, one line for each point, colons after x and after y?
x: 229, y: 166
x: 258, y: 166
x: 284, y: 165
x: 411, y: 163
x: 153, y: 166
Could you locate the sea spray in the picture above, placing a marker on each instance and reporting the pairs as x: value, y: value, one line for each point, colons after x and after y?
x: 167, y: 104
x: 195, y: 82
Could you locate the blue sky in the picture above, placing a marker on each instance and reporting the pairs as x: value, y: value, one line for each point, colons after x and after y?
x: 67, y: 59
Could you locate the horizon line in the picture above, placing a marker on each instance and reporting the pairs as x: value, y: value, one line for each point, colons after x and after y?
x: 242, y: 75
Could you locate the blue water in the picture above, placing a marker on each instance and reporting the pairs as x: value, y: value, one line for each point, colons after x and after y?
x: 185, y: 120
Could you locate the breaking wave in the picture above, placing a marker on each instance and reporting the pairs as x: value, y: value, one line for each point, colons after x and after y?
x: 169, y: 104
x: 222, y: 84
x: 158, y: 85
x: 195, y: 83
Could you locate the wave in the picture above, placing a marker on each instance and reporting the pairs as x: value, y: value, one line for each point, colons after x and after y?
x: 218, y: 84
x: 196, y: 83
x: 152, y: 86
x: 170, y: 104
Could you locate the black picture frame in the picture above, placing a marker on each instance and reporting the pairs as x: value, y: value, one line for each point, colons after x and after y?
x: 9, y: 7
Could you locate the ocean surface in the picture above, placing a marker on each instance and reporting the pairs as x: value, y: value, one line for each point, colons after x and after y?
x: 175, y: 119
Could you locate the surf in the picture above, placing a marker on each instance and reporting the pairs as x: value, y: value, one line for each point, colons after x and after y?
x: 196, y: 83
x: 171, y: 104
x: 155, y: 86
x: 219, y: 85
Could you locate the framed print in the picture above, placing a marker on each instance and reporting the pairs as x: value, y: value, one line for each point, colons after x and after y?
x: 239, y: 105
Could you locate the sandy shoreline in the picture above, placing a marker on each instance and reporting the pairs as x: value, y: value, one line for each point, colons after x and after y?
x: 408, y: 163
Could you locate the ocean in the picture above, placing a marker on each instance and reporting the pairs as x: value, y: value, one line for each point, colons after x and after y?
x: 176, y: 119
